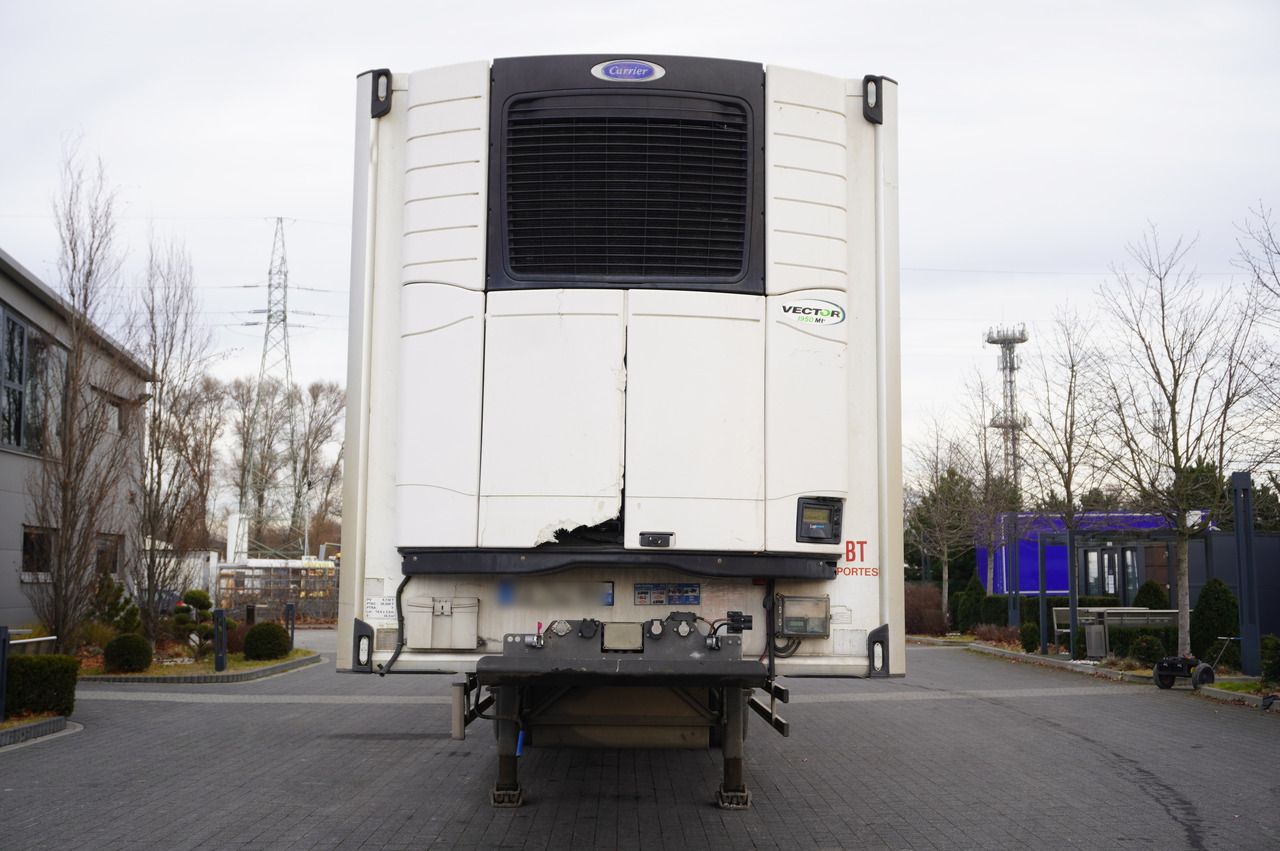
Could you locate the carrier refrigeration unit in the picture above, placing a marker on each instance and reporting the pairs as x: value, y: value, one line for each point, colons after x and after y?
x: 623, y: 436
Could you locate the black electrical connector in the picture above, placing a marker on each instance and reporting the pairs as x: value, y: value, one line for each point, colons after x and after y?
x: 738, y: 622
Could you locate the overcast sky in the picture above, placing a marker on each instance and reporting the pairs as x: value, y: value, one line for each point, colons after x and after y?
x: 1037, y: 139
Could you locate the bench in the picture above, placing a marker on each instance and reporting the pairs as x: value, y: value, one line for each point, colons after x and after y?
x: 42, y: 646
x: 1142, y: 617
x: 1103, y: 618
x: 33, y: 646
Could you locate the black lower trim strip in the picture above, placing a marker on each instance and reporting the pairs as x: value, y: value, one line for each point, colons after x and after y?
x: 417, y: 561
x: 504, y: 670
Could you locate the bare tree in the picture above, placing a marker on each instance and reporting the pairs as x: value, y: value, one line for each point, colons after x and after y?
x: 178, y: 349
x: 1061, y: 432
x: 80, y: 503
x: 320, y: 413
x: 290, y: 477
x: 199, y: 420
x: 994, y: 496
x: 326, y: 516
x: 1184, y: 400
x: 941, y: 497
x: 268, y: 458
x: 1259, y: 255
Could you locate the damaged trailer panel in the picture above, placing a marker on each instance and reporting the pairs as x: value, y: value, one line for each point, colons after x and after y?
x: 623, y: 435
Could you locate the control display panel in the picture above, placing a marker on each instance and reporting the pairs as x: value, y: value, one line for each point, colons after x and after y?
x: 802, y: 617
x: 818, y: 520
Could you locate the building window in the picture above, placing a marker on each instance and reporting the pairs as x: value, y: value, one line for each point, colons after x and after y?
x: 37, y: 553
x: 13, y: 381
x: 30, y: 398
x: 113, y: 414
x: 109, y: 555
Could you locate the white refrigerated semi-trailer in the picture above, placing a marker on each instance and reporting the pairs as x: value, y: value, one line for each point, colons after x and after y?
x: 623, y: 403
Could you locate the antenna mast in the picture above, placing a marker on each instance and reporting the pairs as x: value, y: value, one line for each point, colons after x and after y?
x: 1009, y: 421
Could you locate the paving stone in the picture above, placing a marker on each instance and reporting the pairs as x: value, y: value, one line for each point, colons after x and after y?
x: 966, y: 752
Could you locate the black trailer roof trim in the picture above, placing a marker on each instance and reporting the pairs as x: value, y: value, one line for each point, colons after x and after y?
x: 415, y: 562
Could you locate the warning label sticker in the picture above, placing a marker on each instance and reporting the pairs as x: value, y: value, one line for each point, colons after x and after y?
x: 380, y: 608
x: 668, y: 594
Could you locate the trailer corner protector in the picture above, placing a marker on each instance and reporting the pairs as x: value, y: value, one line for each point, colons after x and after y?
x: 878, y: 651
x: 362, y: 648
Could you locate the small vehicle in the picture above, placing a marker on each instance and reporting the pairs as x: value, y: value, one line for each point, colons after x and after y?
x: 1169, y: 668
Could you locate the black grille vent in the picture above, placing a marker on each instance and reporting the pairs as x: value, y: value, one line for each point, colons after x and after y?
x: 627, y: 189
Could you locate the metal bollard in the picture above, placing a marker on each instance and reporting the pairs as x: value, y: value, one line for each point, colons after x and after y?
x: 290, y: 621
x: 219, y: 640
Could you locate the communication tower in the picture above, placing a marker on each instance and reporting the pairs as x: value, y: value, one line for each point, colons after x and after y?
x: 1009, y: 421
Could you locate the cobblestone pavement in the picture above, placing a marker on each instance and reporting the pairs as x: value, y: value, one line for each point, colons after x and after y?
x: 967, y: 752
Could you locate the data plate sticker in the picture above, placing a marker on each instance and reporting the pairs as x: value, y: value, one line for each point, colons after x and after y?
x: 668, y: 594
x: 380, y: 608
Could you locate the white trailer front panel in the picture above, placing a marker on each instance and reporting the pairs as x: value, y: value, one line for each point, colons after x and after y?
x: 500, y: 429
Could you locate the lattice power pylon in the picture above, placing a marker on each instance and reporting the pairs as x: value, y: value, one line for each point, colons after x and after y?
x: 272, y: 515
x: 1009, y: 421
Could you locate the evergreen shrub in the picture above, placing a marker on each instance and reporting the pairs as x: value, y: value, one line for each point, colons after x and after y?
x: 266, y: 640
x: 128, y: 653
x: 970, y: 609
x: 1147, y: 649
x: 1151, y: 595
x: 1029, y: 633
x: 41, y: 684
x: 197, y: 599
x: 113, y: 607
x: 1216, y: 613
x: 1270, y: 659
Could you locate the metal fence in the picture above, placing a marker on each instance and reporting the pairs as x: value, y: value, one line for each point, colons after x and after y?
x: 312, y: 589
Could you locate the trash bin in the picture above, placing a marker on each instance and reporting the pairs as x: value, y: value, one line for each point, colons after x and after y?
x: 1095, y: 641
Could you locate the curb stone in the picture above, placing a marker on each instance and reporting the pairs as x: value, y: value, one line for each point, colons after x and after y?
x: 237, y: 677
x: 938, y: 642
x: 26, y: 732
x: 1124, y: 676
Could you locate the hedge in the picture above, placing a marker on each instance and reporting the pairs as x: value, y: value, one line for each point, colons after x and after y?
x: 993, y: 607
x: 41, y: 684
x: 1122, y: 639
x: 995, y: 610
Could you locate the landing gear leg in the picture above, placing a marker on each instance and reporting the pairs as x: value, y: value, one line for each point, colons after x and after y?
x: 733, y: 794
x: 506, y: 791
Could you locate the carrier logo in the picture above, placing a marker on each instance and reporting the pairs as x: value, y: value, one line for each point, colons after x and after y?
x: 812, y: 311
x: 628, y: 70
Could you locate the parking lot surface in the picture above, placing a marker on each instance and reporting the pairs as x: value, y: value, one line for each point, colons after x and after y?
x: 965, y: 752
